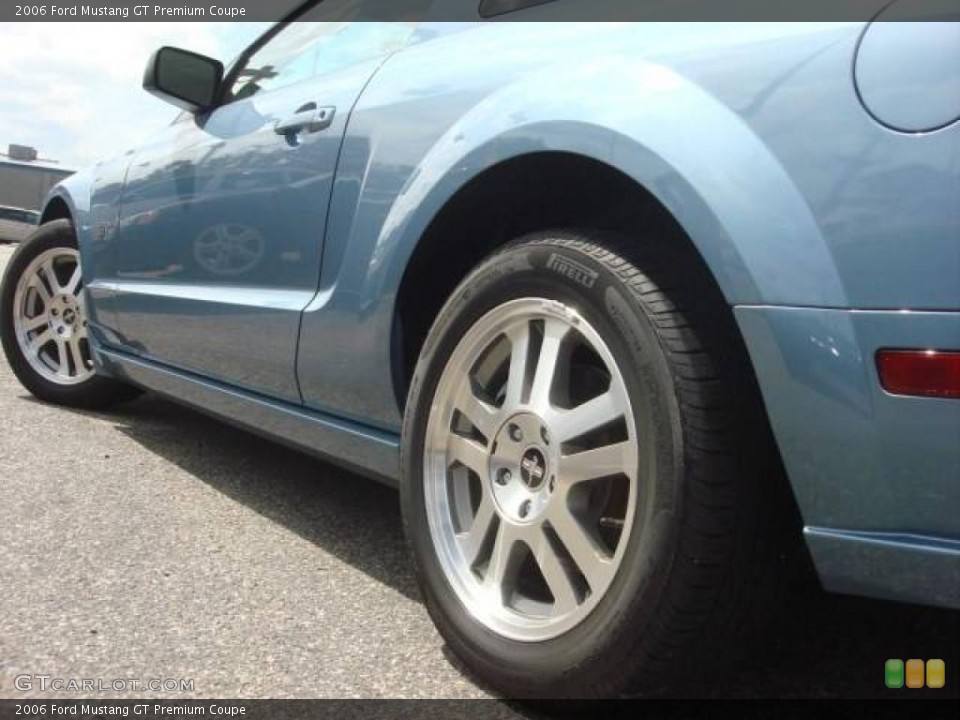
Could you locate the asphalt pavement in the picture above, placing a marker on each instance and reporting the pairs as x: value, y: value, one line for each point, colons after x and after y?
x: 154, y: 542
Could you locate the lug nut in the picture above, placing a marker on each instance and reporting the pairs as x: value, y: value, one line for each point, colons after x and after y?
x: 516, y: 434
x: 545, y: 436
x: 54, y: 312
x: 60, y: 330
x: 504, y: 476
x: 524, y: 508
x: 553, y: 483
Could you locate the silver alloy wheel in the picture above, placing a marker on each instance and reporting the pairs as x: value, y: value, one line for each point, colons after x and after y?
x: 530, y: 469
x: 49, y: 318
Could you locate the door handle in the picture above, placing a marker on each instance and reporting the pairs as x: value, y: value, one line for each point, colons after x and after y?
x: 309, y: 118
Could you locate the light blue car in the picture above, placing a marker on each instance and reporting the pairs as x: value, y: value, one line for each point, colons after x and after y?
x: 621, y: 308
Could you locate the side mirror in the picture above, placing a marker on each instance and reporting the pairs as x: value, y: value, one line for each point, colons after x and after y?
x: 185, y: 79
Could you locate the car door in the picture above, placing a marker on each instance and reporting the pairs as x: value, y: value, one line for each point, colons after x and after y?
x: 220, y: 231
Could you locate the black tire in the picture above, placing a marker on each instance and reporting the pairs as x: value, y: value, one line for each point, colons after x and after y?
x: 695, y: 559
x: 96, y: 392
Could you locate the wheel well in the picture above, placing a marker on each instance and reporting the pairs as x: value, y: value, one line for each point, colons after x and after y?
x: 530, y: 193
x: 56, y: 209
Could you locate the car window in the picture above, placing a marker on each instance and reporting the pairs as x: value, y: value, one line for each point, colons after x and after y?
x: 20, y: 216
x: 307, y: 48
x: 4, y: 214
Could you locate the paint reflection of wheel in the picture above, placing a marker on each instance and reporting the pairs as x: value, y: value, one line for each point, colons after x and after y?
x: 228, y: 249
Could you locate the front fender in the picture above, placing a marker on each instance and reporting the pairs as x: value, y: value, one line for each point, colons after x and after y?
x: 91, y: 197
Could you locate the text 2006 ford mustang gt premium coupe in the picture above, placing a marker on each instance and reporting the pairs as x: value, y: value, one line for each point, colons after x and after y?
x: 609, y: 303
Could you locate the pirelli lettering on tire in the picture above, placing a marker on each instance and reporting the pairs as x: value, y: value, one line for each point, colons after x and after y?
x: 580, y: 274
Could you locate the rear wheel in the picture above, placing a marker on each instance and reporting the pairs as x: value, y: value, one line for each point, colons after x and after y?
x: 581, y: 521
x: 44, y: 325
x: 531, y: 473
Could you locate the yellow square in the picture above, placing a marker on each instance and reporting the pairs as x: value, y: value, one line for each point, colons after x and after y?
x: 936, y: 673
x: 914, y: 673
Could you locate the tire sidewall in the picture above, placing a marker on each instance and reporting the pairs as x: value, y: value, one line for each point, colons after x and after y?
x: 552, y: 267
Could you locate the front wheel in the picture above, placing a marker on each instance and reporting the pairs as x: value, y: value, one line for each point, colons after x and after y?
x: 44, y: 326
x: 569, y: 486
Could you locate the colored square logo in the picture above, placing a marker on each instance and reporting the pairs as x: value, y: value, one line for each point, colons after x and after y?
x: 915, y: 673
x: 936, y: 673
x: 893, y: 673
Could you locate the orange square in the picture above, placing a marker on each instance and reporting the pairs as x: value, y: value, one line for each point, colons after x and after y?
x: 915, y: 672
x: 936, y: 673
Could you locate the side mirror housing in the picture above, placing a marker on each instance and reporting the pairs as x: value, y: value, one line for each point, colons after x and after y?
x: 183, y: 78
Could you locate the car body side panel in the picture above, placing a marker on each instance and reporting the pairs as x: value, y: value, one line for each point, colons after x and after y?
x: 859, y: 458
x: 876, y: 476
x: 414, y: 141
x: 220, y: 233
x: 349, y: 445
x: 885, y: 201
x: 93, y: 199
x: 791, y: 209
x: 820, y: 225
x: 896, y: 566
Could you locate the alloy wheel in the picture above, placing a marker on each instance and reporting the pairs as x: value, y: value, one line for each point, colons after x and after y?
x: 530, y: 469
x: 50, y: 319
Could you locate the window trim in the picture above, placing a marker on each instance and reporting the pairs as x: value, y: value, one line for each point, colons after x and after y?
x: 238, y: 64
x: 231, y: 74
x: 492, y: 8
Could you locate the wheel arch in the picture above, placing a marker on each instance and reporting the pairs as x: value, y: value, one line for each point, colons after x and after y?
x: 695, y: 164
x: 522, y: 194
x: 56, y: 209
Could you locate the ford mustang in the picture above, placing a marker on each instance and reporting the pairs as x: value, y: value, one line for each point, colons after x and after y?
x: 622, y: 309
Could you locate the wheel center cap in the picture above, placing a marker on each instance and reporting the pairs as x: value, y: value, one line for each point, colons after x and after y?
x: 520, y: 473
x: 69, y: 316
x: 533, y: 468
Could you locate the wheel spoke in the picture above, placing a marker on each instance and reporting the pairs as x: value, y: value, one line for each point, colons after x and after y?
x: 502, y: 568
x: 480, y: 414
x: 40, y: 340
x: 78, y: 362
x: 74, y: 282
x: 520, y: 346
x: 31, y: 324
x: 37, y: 284
x: 554, y: 331
x: 469, y: 453
x: 64, y: 369
x: 51, y: 277
x: 564, y: 595
x: 599, y: 411
x: 472, y: 540
x: 596, y: 463
x: 585, y: 551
